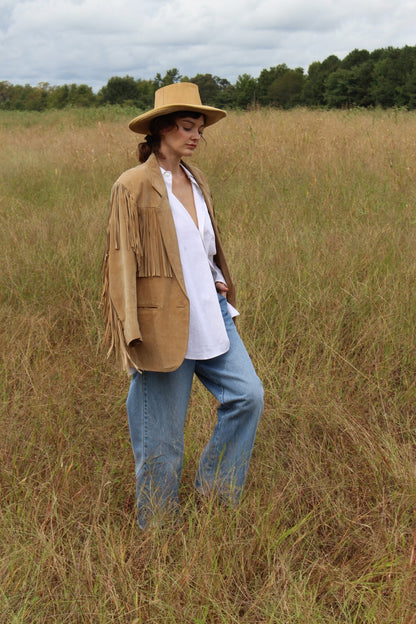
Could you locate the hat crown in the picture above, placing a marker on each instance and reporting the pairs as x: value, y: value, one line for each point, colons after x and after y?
x: 186, y: 93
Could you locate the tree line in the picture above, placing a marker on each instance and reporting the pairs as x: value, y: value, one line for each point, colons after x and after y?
x: 385, y: 77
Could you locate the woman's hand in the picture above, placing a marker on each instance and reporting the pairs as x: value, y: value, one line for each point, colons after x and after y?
x: 222, y: 288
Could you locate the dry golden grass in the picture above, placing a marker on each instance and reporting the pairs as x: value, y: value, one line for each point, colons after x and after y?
x: 317, y: 211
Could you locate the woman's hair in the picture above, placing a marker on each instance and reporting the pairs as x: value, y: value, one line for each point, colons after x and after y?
x: 157, y: 125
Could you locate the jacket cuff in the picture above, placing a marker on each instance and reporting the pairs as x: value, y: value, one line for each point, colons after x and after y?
x: 132, y: 332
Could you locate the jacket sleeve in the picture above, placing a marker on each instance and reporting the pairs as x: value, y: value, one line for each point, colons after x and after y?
x: 120, y: 266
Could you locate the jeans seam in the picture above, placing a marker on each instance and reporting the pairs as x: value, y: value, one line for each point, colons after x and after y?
x: 145, y: 421
x: 216, y: 435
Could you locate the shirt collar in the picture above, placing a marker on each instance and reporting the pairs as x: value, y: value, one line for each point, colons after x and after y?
x: 167, y: 175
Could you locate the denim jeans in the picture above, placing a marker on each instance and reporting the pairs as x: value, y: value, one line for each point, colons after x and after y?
x: 156, y: 406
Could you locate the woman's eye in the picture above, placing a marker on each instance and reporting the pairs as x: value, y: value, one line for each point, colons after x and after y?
x: 190, y: 129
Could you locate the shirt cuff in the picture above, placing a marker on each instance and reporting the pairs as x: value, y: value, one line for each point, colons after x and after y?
x: 217, y: 274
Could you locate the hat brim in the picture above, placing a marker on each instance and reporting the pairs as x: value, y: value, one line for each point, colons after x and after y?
x: 141, y: 123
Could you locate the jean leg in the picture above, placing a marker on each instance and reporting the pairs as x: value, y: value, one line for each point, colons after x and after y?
x: 231, y: 378
x: 156, y: 407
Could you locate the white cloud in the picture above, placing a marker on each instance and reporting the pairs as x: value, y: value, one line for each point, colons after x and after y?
x: 89, y: 41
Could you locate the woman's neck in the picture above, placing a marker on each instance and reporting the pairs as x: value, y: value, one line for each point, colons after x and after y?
x: 170, y: 163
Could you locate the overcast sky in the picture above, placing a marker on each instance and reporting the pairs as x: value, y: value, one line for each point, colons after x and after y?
x: 88, y: 41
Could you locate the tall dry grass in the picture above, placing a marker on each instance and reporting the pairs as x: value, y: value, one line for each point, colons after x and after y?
x: 317, y: 211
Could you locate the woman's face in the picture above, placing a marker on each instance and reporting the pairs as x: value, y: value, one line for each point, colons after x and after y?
x: 183, y: 138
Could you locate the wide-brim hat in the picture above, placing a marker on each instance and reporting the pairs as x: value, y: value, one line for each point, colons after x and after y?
x: 180, y: 96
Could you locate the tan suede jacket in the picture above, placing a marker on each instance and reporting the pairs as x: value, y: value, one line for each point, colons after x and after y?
x: 146, y: 307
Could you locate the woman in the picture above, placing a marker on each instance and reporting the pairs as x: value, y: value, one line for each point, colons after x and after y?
x: 168, y: 301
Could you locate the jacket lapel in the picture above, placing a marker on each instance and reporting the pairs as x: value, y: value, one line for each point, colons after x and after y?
x: 205, y: 190
x: 165, y: 219
x: 208, y: 200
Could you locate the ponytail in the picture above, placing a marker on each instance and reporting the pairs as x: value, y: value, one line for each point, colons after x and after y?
x: 146, y: 148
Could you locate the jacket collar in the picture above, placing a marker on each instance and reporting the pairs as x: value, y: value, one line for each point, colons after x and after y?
x: 155, y: 175
x: 158, y: 183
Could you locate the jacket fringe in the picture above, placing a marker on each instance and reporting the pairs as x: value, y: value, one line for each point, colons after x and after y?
x: 113, y: 328
x: 122, y: 201
x: 121, y: 206
x: 143, y: 235
x: 154, y: 259
x: 144, y: 238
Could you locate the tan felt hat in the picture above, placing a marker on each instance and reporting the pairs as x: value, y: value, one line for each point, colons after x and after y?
x: 180, y: 96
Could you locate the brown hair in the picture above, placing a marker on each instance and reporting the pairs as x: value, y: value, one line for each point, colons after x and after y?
x: 151, y: 144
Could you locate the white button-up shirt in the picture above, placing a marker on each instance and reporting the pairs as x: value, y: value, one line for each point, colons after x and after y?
x: 207, y: 334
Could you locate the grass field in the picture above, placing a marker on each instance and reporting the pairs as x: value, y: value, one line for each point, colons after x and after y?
x: 317, y: 211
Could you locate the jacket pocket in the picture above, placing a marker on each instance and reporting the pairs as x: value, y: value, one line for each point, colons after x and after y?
x: 143, y: 306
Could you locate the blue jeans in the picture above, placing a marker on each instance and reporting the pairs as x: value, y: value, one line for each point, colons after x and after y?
x: 156, y: 406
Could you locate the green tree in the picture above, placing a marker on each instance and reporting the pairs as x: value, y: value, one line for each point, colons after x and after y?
x: 6, y: 91
x: 81, y: 95
x: 410, y: 90
x: 360, y: 84
x: 337, y: 89
x: 286, y: 91
x: 35, y: 98
x: 171, y: 76
x: 266, y: 79
x: 350, y: 87
x: 314, y: 89
x: 17, y: 96
x: 119, y: 90
x: 208, y: 87
x: 354, y: 58
x: 384, y: 82
x: 145, y: 93
x: 214, y: 91
x: 58, y: 96
x: 404, y: 60
x: 245, y: 91
x: 225, y: 97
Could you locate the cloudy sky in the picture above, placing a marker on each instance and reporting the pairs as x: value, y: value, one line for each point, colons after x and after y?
x: 88, y: 41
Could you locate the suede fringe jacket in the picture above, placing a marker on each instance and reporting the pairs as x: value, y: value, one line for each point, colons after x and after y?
x: 146, y: 308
